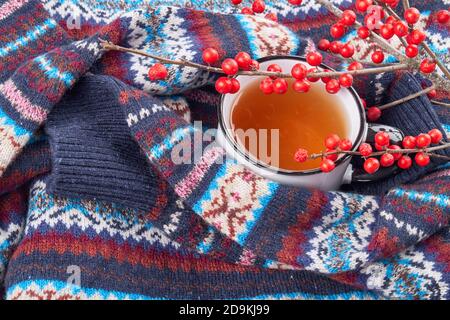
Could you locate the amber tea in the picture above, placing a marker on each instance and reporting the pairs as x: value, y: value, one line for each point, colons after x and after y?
x: 303, y: 120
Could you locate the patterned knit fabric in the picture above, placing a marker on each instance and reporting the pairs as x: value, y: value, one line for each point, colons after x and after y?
x: 92, y: 205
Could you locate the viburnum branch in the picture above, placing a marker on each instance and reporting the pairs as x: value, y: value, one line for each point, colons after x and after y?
x: 407, y: 98
x: 424, y: 44
x: 375, y: 37
x: 380, y: 153
x: 389, y: 68
x: 440, y: 103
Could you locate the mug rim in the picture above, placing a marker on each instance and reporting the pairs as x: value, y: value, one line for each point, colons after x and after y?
x: 265, y: 166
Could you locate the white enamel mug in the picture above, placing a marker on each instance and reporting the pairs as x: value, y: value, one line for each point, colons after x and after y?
x: 315, y: 178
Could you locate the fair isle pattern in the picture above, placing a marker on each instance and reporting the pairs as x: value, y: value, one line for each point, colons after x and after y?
x: 341, y: 240
x: 8, y: 239
x: 167, y: 30
x: 267, y: 38
x: 185, y: 187
x: 9, y: 7
x: 30, y: 36
x: 20, y: 102
x: 235, y: 200
x: 12, y: 139
x: 52, y: 211
x: 58, y: 290
x: 407, y: 276
x: 52, y: 72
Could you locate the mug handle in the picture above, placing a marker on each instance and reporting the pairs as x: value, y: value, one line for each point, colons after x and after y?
x: 358, y: 174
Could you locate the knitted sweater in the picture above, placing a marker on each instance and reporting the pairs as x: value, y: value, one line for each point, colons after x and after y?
x: 92, y: 205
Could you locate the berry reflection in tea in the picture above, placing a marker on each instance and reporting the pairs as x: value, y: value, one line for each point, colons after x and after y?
x: 302, y: 119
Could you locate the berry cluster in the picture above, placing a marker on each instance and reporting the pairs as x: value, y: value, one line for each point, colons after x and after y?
x: 388, y: 153
x: 259, y: 6
x: 377, y: 21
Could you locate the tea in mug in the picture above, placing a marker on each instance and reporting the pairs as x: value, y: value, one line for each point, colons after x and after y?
x: 304, y: 120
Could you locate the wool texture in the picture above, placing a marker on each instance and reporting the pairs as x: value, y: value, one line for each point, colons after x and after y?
x: 89, y: 187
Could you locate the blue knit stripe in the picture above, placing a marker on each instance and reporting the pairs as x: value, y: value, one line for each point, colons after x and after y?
x: 6, y: 120
x: 31, y: 35
x: 53, y: 72
x: 441, y: 200
x: 157, y: 151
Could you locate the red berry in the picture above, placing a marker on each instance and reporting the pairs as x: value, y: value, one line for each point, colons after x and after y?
x: 436, y: 135
x: 379, y: 147
x: 404, y: 162
x: 325, y: 79
x: 395, y: 155
x: 332, y: 141
x: 295, y: 2
x: 432, y: 94
x: 423, y: 140
x: 411, y: 50
x: 363, y: 32
x: 236, y: 2
x: 363, y: 5
x: 400, y: 29
x: 391, y: 20
x: 347, y: 50
x: 332, y: 157
x: 272, y: 16
x: 373, y: 114
x: 387, y: 160
x: 243, y: 59
x: 235, y: 86
x: 258, y: 6
x: 427, y: 66
x: 323, y: 44
x: 412, y: 15
x: 311, y: 78
x: 335, y: 46
x: 416, y: 37
x: 387, y: 31
x: 365, y: 149
x: 378, y: 56
x: 224, y: 85
x: 422, y: 159
x: 382, y: 138
x: 348, y: 17
x: 157, y: 72
x: 210, y: 56
x: 355, y: 66
x: 346, y: 80
x: 337, y: 30
x: 409, y: 142
x: 301, y: 86
x: 443, y: 16
x: 333, y: 86
x: 280, y: 86
x: 254, y: 65
x: 301, y: 155
x: 274, y: 68
x: 247, y: 10
x: 314, y: 58
x: 371, y: 165
x: 327, y: 165
x: 266, y: 86
x: 299, y: 71
x: 345, y: 145
x: 230, y: 66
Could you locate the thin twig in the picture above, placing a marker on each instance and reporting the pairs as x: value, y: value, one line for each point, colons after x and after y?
x: 405, y: 4
x: 407, y: 98
x: 380, y: 153
x: 318, y: 74
x: 440, y: 103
